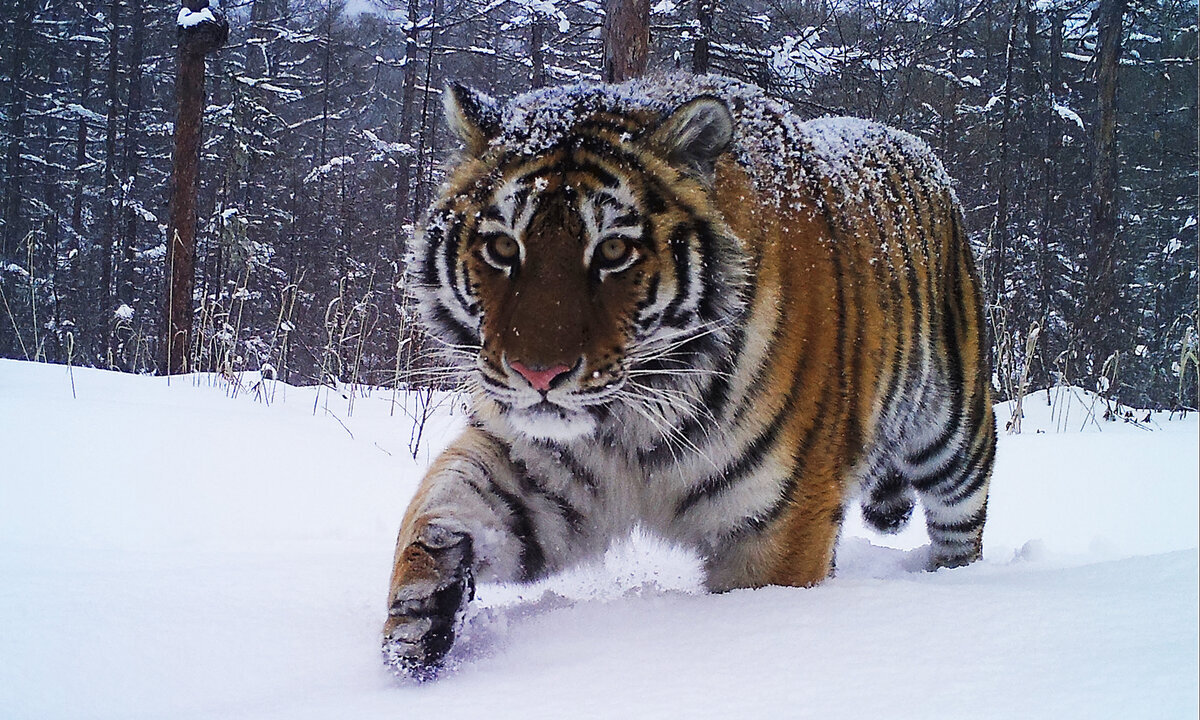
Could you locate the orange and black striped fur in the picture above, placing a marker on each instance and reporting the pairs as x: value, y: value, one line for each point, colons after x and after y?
x: 684, y: 309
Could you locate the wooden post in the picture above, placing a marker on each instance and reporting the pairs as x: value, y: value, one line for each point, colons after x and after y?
x: 201, y: 30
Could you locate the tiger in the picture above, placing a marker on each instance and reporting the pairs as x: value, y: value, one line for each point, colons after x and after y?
x: 681, y: 308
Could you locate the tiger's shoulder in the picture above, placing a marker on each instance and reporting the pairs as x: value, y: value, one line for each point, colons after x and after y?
x: 840, y: 154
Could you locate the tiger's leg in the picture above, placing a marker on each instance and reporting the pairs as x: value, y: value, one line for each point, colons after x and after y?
x: 791, y: 543
x: 955, y: 499
x: 477, y: 514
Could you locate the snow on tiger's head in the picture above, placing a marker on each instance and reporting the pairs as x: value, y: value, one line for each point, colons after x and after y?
x: 575, y: 254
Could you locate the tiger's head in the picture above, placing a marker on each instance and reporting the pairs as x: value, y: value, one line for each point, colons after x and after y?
x: 576, y: 253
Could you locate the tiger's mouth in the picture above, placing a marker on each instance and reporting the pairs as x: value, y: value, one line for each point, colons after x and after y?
x: 547, y: 420
x: 569, y: 406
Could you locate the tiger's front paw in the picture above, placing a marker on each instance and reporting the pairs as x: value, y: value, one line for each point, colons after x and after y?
x: 432, y: 586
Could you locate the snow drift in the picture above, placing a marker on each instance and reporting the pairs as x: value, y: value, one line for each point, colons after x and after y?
x: 168, y: 550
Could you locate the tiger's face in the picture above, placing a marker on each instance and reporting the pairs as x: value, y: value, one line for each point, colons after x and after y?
x: 580, y: 271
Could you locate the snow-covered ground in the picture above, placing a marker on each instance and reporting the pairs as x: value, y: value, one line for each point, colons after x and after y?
x: 168, y: 551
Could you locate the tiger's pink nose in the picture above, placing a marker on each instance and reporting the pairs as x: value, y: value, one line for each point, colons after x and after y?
x: 539, y: 378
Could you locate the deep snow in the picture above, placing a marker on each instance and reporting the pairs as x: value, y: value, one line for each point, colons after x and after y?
x: 167, y: 551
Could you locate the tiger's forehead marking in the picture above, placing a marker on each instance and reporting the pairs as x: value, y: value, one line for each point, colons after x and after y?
x: 512, y: 208
x: 606, y: 208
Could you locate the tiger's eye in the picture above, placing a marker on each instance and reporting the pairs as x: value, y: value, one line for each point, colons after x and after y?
x: 502, y: 247
x: 613, y: 250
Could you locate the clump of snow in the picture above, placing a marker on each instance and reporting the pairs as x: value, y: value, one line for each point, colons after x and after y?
x: 123, y: 313
x: 389, y: 148
x: 334, y: 164
x: 1068, y: 114
x: 189, y: 18
x: 184, y: 548
x: 802, y: 59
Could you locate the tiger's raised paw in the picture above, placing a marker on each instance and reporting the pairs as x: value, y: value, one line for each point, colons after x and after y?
x: 433, y: 585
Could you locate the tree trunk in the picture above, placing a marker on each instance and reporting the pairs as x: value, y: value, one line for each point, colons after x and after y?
x: 1050, y: 204
x: 326, y: 79
x: 537, y: 50
x: 704, y: 27
x: 426, y: 139
x: 132, y: 159
x: 626, y: 35
x: 1000, y: 222
x: 108, y: 228
x: 81, y: 136
x: 404, y: 163
x: 14, y: 190
x: 263, y: 15
x: 1101, y: 288
x: 195, y: 42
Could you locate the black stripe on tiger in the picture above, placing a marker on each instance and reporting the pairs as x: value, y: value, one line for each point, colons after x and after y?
x: 706, y: 238
x: 521, y: 526
x: 714, y: 396
x: 679, y: 245
x: 531, y: 484
x: 920, y: 201
x: 916, y: 351
x: 978, y: 471
x: 576, y: 467
x: 445, y: 320
x: 753, y: 454
x: 909, y: 338
x: 761, y: 521
x: 749, y: 460
x: 449, y: 261
x: 960, y: 478
x: 519, y: 518
x: 967, y: 526
x: 886, y: 274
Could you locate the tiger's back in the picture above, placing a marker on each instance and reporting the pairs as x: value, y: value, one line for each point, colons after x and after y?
x: 876, y: 372
x: 692, y: 312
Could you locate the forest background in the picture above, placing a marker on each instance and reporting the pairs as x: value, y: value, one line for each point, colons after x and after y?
x: 1070, y: 127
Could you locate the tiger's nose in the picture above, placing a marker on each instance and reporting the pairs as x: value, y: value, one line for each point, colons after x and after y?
x: 540, y: 378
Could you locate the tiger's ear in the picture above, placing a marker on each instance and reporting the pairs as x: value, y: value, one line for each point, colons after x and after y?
x: 696, y: 134
x: 473, y: 116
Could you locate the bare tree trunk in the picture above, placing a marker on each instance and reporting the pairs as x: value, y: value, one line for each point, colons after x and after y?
x: 14, y: 191
x: 326, y: 62
x: 81, y: 135
x: 132, y: 159
x: 1050, y: 204
x: 50, y: 192
x: 1101, y: 288
x: 704, y: 27
x: 537, y: 50
x: 626, y: 35
x: 108, y: 227
x: 1000, y: 221
x: 261, y: 63
x: 949, y: 99
x: 404, y: 164
x: 426, y: 139
x: 263, y: 14
x: 195, y: 42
